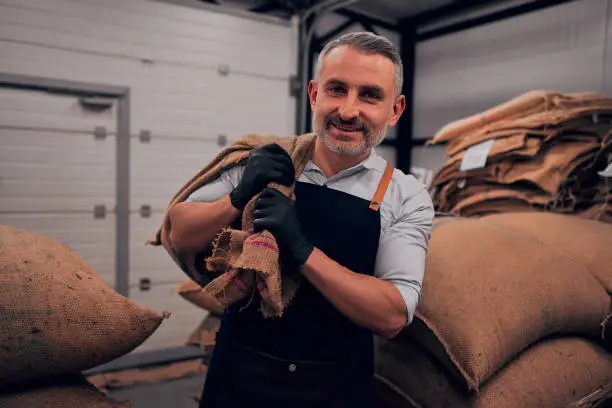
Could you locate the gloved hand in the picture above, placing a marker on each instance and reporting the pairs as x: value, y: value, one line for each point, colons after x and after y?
x: 276, y: 213
x: 265, y: 164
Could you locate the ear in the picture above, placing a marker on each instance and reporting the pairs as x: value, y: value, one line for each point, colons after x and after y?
x: 398, y: 109
x: 313, y: 89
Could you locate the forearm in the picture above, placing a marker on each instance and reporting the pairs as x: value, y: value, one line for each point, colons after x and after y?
x: 366, y: 300
x: 194, y: 224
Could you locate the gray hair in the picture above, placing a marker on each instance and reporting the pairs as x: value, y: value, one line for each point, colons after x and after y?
x: 368, y: 43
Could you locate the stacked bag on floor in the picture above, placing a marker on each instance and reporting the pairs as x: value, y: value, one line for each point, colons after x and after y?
x: 540, y: 151
x: 57, y: 319
x: 204, y: 335
x: 515, y: 312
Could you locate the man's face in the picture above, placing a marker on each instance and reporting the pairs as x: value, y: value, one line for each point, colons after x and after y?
x: 354, y: 100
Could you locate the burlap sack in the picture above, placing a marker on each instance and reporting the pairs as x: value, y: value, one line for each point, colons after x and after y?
x: 241, y: 261
x: 546, y: 132
x: 136, y: 377
x: 547, y: 166
x: 556, y: 107
x: 473, y: 202
x: 192, y: 292
x: 551, y: 167
x: 57, y: 316
x: 559, y: 117
x: 550, y: 374
x: 601, y: 398
x: 515, y: 147
x: 485, y: 301
x: 601, y: 212
x: 522, y: 103
x: 205, y: 334
x: 493, y: 206
x: 588, y: 242
x: 71, y: 392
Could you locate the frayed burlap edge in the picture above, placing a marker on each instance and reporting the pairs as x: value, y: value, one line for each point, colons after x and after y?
x: 242, y: 272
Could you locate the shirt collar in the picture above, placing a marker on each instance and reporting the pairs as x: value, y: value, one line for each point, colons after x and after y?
x: 373, y: 161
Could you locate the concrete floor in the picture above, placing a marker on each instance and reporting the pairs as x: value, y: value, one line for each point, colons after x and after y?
x: 175, y: 394
x: 179, y: 394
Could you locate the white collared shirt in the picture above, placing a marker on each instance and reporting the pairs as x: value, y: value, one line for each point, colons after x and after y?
x: 406, y: 214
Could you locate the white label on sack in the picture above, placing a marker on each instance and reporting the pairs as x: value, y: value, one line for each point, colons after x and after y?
x: 607, y: 172
x: 475, y: 157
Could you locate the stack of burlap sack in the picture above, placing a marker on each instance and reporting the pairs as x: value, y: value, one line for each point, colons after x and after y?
x: 515, y: 313
x: 57, y: 319
x: 204, y: 335
x: 543, y: 152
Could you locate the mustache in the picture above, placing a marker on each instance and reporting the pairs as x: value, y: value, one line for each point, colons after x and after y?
x: 337, y: 121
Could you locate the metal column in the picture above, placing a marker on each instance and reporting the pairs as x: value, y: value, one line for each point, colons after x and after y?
x: 404, y: 138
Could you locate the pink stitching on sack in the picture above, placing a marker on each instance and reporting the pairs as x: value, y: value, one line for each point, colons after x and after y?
x: 260, y: 286
x: 242, y: 285
x: 261, y: 244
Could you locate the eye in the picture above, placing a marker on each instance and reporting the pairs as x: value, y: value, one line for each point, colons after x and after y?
x: 371, y: 94
x: 336, y: 89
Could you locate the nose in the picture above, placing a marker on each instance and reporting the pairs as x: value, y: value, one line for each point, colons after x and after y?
x: 348, y: 110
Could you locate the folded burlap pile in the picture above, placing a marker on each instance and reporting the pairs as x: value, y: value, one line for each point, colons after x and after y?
x: 239, y: 261
x: 548, y: 149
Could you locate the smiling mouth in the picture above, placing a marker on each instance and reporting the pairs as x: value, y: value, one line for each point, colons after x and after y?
x: 347, y: 128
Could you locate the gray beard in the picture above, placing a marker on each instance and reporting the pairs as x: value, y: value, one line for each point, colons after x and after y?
x: 370, y: 139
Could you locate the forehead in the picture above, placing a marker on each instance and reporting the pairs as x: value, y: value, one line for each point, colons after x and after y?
x: 354, y: 67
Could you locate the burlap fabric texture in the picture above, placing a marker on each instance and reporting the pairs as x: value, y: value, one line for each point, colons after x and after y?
x: 552, y: 373
x: 192, y: 292
x: 240, y: 261
x: 59, y: 392
x: 483, y: 304
x: 530, y: 109
x: 585, y: 241
x: 57, y: 316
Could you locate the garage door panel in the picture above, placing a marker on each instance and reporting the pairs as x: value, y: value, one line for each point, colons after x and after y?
x: 174, y: 331
x: 93, y: 239
x: 55, y: 171
x: 58, y: 149
x: 146, y: 261
x: 39, y: 109
x: 33, y: 195
x: 161, y: 167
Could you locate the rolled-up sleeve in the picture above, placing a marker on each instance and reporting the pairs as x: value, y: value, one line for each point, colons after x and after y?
x: 222, y: 186
x: 403, y: 249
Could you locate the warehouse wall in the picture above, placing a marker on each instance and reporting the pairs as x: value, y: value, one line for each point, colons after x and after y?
x: 195, y: 76
x: 564, y: 48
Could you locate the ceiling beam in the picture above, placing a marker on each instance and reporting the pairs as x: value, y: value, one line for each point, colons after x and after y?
x: 493, y: 17
x: 266, y: 7
x: 362, y: 18
x: 368, y: 27
x: 448, y: 10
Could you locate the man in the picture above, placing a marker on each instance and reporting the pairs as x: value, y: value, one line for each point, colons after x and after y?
x: 363, y: 260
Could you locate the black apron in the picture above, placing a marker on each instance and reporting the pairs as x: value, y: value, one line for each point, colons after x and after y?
x: 313, y: 356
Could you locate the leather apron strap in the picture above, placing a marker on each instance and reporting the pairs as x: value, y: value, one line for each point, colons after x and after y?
x: 382, y: 188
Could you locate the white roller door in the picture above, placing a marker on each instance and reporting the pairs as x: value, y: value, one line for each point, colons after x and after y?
x: 195, y: 75
x: 56, y: 177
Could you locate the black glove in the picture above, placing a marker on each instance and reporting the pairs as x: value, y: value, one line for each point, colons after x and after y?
x: 276, y: 213
x: 269, y: 163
